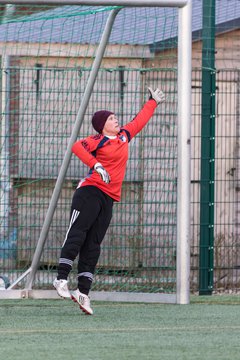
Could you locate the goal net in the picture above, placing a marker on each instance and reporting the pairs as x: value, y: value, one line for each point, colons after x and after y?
x: 47, y: 54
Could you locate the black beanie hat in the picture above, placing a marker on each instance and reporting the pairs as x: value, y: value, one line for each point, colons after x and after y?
x: 99, y: 119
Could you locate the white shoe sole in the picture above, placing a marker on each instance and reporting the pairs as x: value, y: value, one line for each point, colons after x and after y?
x: 64, y: 297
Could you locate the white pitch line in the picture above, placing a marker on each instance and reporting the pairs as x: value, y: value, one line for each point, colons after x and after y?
x: 137, y: 329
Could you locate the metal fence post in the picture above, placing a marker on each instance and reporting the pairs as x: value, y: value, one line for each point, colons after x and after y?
x: 207, y: 150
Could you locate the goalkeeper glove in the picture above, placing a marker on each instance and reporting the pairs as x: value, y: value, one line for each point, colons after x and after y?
x: 102, y: 172
x: 157, y: 95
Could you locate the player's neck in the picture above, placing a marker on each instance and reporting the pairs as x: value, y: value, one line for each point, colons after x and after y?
x: 111, y: 136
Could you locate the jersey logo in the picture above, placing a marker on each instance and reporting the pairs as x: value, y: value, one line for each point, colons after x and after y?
x: 123, y: 138
x: 96, y: 137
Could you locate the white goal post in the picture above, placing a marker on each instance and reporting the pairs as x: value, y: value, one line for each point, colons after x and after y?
x: 182, y: 295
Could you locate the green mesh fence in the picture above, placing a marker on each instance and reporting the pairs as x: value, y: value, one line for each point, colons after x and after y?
x: 226, y: 202
x: 223, y: 247
x: 47, y: 53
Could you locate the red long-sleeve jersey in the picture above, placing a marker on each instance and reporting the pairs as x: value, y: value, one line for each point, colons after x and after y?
x: 111, y: 153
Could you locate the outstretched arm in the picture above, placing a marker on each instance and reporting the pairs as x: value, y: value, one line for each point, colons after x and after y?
x: 141, y: 119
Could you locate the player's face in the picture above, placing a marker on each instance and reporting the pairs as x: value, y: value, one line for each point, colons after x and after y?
x: 111, y: 126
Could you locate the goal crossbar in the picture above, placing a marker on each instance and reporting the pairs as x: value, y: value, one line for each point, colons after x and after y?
x: 125, y: 3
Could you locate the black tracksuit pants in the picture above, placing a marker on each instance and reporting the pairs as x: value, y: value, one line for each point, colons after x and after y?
x: 91, y: 213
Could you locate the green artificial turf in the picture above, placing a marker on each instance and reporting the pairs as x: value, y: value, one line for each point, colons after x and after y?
x: 207, y: 329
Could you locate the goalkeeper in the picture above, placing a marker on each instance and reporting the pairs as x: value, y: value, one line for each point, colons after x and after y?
x: 106, y: 154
